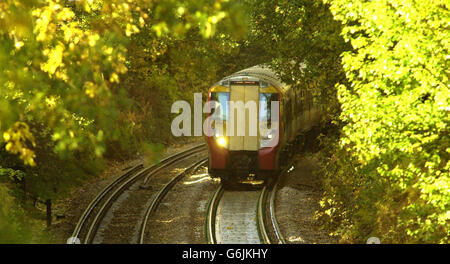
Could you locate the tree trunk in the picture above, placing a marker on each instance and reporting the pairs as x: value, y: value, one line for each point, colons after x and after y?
x: 48, y: 204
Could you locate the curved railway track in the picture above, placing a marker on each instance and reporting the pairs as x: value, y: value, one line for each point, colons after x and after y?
x: 273, y: 218
x: 161, y: 194
x: 241, y: 217
x: 91, y: 217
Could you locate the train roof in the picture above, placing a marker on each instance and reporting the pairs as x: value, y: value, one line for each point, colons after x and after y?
x: 262, y: 72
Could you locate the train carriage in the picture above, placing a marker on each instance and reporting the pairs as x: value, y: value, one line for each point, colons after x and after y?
x: 252, y: 154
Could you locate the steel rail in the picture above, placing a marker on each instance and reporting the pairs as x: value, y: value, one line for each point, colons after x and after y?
x: 261, y: 217
x: 152, y: 170
x: 266, y: 197
x: 174, y: 158
x: 162, y: 193
x: 99, y: 197
x: 211, y: 216
x: 93, y: 227
x: 273, y: 217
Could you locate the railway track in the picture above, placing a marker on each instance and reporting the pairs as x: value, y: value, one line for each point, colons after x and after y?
x: 161, y: 194
x: 88, y: 224
x: 235, y: 217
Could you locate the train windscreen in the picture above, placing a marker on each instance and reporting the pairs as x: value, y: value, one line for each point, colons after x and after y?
x: 222, y: 98
x: 265, y: 109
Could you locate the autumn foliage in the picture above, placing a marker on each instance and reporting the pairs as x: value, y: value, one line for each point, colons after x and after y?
x: 85, y: 81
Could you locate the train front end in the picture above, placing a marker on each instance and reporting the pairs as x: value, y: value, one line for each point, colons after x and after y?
x: 244, y: 136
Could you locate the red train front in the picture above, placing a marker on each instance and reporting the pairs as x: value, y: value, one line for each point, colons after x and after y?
x: 244, y: 136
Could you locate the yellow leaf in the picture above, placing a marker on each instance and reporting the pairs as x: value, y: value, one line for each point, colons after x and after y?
x: 114, y: 78
x: 6, y: 136
x: 19, y: 44
x: 9, y: 146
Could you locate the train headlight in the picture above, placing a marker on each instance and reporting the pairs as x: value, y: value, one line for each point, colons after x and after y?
x: 268, y: 136
x: 221, y: 141
x: 270, y: 139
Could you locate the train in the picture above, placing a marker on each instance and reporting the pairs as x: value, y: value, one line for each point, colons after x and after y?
x: 282, y: 114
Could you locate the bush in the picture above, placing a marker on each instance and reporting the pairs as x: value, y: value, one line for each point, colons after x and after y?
x: 14, y: 227
x: 389, y: 174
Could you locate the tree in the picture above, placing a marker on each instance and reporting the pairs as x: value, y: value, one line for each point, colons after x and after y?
x: 66, y: 57
x: 395, y: 116
x: 304, y: 45
x: 63, y: 74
